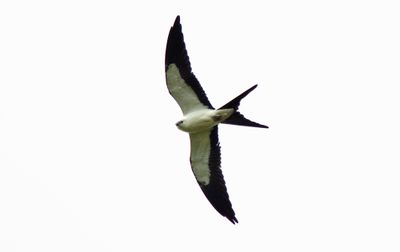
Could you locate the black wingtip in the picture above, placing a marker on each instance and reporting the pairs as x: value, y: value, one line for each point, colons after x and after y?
x: 176, y: 51
x: 233, y: 220
x: 177, y: 20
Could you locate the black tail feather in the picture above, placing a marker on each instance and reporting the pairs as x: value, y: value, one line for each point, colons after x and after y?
x: 236, y: 118
x: 236, y: 102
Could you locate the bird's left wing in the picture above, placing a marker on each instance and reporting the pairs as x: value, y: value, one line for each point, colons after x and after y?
x: 205, y: 159
x: 181, y: 82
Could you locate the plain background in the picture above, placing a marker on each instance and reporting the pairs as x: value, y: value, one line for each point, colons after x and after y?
x: 90, y: 158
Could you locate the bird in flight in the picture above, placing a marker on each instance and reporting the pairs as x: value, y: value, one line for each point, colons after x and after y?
x: 201, y: 120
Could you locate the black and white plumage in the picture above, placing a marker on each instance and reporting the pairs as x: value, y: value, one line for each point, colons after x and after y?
x: 200, y: 121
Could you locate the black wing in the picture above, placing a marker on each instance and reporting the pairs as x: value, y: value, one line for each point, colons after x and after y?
x: 181, y: 82
x: 205, y: 157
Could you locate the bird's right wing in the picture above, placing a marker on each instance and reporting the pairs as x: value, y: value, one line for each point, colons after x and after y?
x: 205, y: 159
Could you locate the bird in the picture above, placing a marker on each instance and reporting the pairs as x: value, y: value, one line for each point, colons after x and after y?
x: 200, y: 120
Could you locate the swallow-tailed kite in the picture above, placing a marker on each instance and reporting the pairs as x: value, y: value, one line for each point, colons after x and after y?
x: 201, y: 120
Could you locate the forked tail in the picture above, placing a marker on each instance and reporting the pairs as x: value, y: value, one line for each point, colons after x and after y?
x: 236, y: 118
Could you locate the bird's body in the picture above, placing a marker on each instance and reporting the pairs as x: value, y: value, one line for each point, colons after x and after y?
x: 201, y: 120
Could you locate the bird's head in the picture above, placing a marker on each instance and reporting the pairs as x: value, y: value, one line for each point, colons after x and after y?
x: 179, y: 124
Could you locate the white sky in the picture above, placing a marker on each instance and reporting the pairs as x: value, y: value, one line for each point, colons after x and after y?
x: 90, y: 158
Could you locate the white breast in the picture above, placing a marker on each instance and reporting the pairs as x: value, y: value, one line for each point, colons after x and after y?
x: 197, y: 121
x: 203, y: 120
